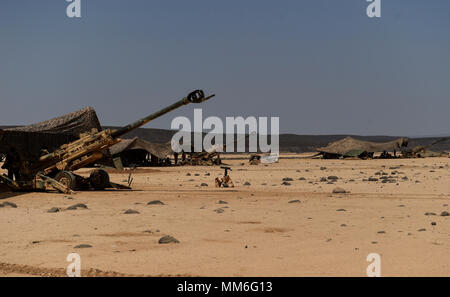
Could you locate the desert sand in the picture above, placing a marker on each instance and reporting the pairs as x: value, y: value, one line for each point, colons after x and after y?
x: 262, y: 229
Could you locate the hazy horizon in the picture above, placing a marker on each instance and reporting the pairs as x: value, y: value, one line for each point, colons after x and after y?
x: 322, y: 66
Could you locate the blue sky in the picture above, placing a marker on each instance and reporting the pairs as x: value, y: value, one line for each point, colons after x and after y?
x: 322, y: 66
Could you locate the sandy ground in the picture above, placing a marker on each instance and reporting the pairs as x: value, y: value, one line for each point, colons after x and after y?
x: 257, y: 233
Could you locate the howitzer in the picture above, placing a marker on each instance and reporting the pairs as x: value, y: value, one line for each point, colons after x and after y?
x: 56, y: 168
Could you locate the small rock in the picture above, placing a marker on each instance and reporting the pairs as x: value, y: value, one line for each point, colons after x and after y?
x: 430, y: 214
x: 445, y: 214
x: 294, y: 201
x: 341, y: 209
x: 222, y: 202
x: 203, y: 185
x: 333, y: 177
x: 156, y: 202
x: 9, y: 204
x: 219, y: 210
x: 302, y: 178
x: 339, y: 191
x: 285, y: 183
x: 83, y: 246
x: 247, y: 184
x: 167, y: 239
x: 131, y: 211
x: 422, y: 230
x: 53, y: 210
x: 433, y: 223
x: 287, y: 179
x: 77, y: 206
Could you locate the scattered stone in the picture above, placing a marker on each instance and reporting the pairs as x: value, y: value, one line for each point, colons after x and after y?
x: 222, y: 202
x: 341, y: 209
x: 445, y: 214
x: 430, y: 214
x: 339, y: 191
x: 373, y: 179
x: 131, y: 211
x: 294, y: 201
x: 333, y: 177
x: 53, y: 210
x: 287, y: 179
x: 77, y: 206
x: 219, y: 210
x: 285, y: 183
x: 156, y: 202
x: 207, y: 174
x: 343, y: 225
x: 167, y: 239
x: 422, y: 230
x: 433, y: 223
x: 247, y: 184
x: 323, y: 168
x: 302, y: 178
x: 8, y: 204
x: 197, y: 174
x: 203, y: 185
x: 381, y: 232
x: 188, y: 174
x: 83, y: 246
x: 323, y: 180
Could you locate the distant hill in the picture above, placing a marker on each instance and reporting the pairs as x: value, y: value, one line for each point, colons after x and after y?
x: 290, y: 143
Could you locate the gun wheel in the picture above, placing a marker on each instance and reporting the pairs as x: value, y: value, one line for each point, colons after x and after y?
x: 99, y: 179
x: 67, y: 178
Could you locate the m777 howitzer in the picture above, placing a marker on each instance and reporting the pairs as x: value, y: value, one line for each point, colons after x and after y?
x: 56, y: 169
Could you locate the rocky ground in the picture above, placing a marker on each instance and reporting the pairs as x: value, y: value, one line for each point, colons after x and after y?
x: 300, y: 217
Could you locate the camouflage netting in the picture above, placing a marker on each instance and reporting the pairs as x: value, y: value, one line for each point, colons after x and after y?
x: 160, y: 150
x: 50, y: 135
x: 73, y: 124
x: 349, y: 144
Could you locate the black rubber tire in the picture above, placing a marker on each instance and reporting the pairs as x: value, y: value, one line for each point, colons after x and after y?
x: 67, y: 178
x: 99, y: 179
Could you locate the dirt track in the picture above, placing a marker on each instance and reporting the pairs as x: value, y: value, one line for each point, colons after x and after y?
x: 257, y: 233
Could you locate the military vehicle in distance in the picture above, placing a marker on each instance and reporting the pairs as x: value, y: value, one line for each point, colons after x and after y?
x: 56, y: 170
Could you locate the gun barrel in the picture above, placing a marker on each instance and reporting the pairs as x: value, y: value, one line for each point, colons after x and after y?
x: 197, y: 96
